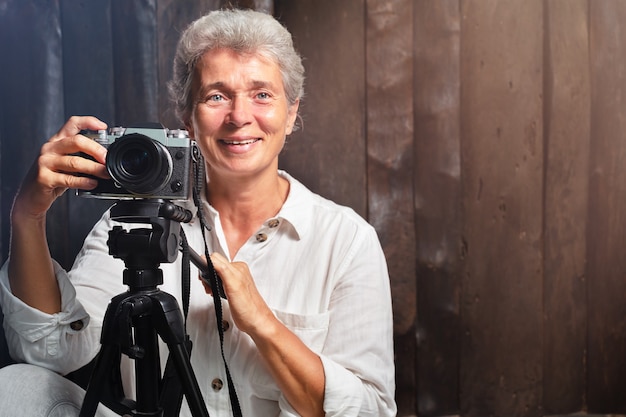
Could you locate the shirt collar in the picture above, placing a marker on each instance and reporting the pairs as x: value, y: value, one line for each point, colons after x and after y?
x: 296, y: 211
x: 298, y: 208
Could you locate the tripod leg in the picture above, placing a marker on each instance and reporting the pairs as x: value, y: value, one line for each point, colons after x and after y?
x: 169, y: 323
x: 171, y: 390
x: 105, y: 385
x: 179, y: 355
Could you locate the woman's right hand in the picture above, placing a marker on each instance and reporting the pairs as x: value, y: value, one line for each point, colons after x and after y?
x: 58, y: 167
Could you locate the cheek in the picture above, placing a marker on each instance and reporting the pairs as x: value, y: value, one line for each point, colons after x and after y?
x: 208, y: 155
x: 204, y: 121
x: 274, y: 121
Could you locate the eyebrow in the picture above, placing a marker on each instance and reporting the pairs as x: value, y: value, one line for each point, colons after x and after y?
x: 220, y: 85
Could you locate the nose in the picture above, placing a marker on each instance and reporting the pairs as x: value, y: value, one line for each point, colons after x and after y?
x: 240, y: 113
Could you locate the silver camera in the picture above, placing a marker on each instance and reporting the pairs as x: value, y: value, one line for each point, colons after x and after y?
x: 145, y: 162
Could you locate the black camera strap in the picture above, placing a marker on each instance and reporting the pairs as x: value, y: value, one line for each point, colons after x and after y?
x: 172, y: 392
x: 216, y: 289
x: 185, y: 273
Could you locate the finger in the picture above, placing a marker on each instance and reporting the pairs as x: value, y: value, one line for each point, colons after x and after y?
x: 224, y: 267
x: 77, y: 144
x: 69, y: 157
x: 91, y: 147
x: 206, y: 285
x: 220, y: 263
x: 75, y: 124
x: 59, y: 176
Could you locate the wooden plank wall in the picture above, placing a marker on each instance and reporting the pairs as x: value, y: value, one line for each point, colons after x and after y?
x: 606, y: 224
x: 566, y: 134
x: 437, y: 169
x: 501, y: 179
x: 482, y: 131
x: 482, y: 138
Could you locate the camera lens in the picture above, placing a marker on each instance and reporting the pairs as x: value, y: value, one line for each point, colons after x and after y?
x: 136, y: 161
x: 139, y: 164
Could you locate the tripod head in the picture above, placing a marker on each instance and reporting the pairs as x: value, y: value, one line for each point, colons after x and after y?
x: 143, y: 249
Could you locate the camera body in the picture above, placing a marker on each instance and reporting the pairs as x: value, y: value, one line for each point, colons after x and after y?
x: 147, y: 161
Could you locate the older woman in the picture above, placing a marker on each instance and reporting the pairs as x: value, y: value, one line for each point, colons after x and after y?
x: 308, y: 326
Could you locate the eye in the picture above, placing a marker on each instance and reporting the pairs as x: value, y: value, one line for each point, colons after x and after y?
x: 214, y: 98
x: 263, y: 95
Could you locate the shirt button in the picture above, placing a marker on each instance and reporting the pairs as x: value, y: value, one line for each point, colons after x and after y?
x: 217, y: 384
x: 273, y: 223
x: 76, y: 325
x: 225, y: 325
x: 261, y: 237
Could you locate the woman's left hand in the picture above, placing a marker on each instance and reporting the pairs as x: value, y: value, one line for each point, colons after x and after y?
x: 297, y: 370
x: 250, y: 312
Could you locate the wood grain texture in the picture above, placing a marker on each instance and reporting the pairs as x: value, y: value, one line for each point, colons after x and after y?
x: 502, y: 175
x: 566, y: 137
x: 437, y: 189
x: 606, y: 224
x: 328, y: 152
x: 390, y: 170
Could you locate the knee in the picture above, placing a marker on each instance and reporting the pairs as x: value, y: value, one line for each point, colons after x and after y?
x: 35, y: 391
x: 23, y: 375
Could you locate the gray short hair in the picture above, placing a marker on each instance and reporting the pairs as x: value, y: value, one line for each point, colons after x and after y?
x: 243, y: 31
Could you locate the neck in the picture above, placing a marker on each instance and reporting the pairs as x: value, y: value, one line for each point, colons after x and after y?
x: 245, y: 204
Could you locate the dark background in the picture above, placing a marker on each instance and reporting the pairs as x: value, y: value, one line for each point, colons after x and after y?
x: 482, y: 138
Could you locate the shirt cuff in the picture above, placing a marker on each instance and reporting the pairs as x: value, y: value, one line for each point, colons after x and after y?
x: 343, y: 395
x: 33, y: 324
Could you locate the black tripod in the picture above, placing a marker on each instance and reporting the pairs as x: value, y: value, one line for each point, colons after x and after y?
x: 134, y: 319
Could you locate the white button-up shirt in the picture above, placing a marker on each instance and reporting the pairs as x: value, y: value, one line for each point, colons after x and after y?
x: 318, y: 265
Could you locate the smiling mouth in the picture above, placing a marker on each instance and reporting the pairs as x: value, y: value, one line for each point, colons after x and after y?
x: 240, y: 142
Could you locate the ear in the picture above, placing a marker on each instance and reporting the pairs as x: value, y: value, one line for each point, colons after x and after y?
x: 189, y: 128
x: 292, y: 114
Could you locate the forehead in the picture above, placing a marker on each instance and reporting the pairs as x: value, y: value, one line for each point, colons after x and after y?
x: 225, y: 65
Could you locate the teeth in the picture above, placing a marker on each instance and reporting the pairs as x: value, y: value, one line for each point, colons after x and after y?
x: 238, y: 142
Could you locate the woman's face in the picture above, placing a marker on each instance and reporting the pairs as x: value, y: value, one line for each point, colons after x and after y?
x: 240, y: 116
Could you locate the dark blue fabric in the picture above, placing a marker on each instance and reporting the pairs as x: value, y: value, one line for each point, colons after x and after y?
x: 5, y: 359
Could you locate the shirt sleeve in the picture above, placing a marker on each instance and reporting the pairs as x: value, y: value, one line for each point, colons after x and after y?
x: 68, y: 340
x: 358, y: 353
x: 45, y: 339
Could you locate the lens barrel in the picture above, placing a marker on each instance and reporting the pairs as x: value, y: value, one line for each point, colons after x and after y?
x: 139, y: 164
